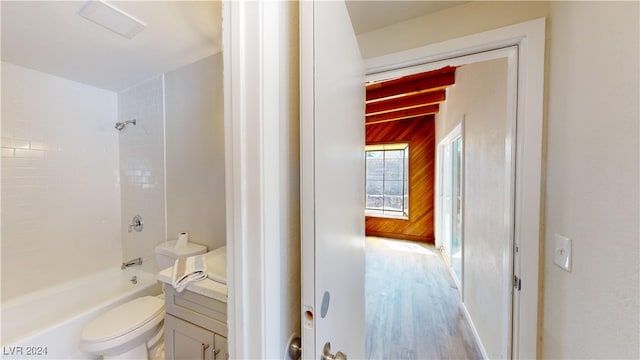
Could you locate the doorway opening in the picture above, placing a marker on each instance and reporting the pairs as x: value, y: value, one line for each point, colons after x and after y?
x: 472, y: 191
x: 449, y: 175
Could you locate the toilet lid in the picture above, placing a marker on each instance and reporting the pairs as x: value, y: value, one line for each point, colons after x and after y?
x: 123, y: 319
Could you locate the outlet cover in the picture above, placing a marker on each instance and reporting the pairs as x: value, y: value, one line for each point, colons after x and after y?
x: 562, y: 252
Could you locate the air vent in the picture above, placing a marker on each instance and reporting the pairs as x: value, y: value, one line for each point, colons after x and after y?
x: 111, y: 18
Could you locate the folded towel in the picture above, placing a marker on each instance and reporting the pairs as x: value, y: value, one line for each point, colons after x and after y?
x: 188, y: 270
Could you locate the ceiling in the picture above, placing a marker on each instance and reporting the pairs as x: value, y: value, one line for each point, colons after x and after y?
x: 368, y: 15
x: 408, y: 97
x: 50, y: 37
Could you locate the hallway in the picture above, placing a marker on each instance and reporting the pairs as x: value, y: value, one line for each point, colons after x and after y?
x: 412, y: 305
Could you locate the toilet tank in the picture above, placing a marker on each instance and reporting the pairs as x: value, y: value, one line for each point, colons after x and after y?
x: 166, y: 254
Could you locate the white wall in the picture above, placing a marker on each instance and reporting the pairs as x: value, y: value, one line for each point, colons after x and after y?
x: 592, y: 181
x: 195, y: 152
x: 592, y: 161
x: 142, y: 169
x: 465, y: 19
x: 480, y: 97
x: 60, y: 191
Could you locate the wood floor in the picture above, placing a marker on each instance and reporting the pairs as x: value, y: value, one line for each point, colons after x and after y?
x: 412, y: 305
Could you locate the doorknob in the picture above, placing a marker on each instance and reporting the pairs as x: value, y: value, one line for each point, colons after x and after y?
x: 327, y: 355
x: 295, y: 348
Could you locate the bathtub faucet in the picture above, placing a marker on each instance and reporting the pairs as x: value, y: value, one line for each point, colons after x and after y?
x: 136, y: 261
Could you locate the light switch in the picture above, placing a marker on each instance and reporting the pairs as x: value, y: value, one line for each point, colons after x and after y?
x: 562, y: 255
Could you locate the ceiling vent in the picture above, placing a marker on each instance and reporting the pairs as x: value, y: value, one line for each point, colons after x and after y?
x: 112, y: 18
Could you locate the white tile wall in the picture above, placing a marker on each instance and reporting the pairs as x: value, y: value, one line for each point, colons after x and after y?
x: 142, y: 169
x: 60, y: 192
x: 71, y: 183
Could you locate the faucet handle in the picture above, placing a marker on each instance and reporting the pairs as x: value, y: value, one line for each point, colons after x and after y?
x: 136, y: 224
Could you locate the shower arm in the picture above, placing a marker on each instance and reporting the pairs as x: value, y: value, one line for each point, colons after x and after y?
x: 120, y: 125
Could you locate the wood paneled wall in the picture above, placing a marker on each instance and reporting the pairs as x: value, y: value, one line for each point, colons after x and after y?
x: 420, y: 134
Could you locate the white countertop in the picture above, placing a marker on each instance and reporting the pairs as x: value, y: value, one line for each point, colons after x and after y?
x: 206, y: 287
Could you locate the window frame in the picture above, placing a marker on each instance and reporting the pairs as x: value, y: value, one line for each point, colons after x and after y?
x: 385, y: 213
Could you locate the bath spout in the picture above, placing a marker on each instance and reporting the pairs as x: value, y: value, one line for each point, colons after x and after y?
x: 136, y: 261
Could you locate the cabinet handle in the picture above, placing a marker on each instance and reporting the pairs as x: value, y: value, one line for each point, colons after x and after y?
x: 204, y: 350
x: 215, y: 353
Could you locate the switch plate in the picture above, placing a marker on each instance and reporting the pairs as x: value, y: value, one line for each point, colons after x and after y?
x: 562, y: 252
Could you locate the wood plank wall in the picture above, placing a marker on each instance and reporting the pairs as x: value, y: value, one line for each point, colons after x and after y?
x: 420, y: 134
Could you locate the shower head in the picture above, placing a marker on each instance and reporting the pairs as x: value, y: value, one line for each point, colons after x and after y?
x: 120, y: 125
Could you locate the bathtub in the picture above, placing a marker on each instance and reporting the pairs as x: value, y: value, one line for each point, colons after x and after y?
x: 46, y: 324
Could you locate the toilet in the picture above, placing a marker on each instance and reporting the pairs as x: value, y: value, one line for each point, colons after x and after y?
x: 134, y: 330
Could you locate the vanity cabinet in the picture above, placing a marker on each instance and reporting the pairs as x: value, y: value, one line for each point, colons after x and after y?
x: 195, y: 326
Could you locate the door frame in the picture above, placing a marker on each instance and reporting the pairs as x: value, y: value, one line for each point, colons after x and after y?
x: 249, y: 80
x: 529, y: 38
x: 261, y: 100
x: 455, y: 133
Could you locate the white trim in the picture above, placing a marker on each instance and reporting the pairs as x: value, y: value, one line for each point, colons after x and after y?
x: 467, y: 317
x: 237, y: 58
x: 454, y: 134
x: 445, y: 258
x: 510, y: 198
x: 529, y: 37
x: 253, y: 96
x: 307, y: 176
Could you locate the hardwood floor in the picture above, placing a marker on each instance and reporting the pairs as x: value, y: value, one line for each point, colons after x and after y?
x: 413, y: 309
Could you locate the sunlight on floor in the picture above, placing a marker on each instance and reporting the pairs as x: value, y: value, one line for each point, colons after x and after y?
x: 402, y: 245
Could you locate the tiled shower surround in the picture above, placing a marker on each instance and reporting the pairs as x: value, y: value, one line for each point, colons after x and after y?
x: 142, y: 182
x: 72, y: 183
x: 60, y: 192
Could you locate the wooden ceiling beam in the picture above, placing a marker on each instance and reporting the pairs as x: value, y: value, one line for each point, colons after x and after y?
x: 380, y: 91
x: 406, y: 102
x: 402, y: 114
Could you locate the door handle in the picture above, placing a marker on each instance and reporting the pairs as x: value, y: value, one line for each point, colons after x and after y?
x: 327, y: 355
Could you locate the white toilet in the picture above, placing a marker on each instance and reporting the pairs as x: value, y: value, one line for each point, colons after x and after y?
x: 134, y: 330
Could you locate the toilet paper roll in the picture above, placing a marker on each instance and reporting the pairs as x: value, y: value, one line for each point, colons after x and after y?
x: 183, y: 238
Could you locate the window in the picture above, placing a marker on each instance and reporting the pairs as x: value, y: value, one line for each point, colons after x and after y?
x: 387, y: 177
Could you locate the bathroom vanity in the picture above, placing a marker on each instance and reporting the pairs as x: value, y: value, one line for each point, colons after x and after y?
x: 195, y: 323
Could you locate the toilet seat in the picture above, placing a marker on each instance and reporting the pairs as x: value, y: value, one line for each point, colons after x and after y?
x: 123, y: 325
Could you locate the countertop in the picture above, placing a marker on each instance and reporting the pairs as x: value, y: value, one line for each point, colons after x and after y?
x: 207, y: 287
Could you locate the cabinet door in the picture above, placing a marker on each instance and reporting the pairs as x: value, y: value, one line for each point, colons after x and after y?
x: 185, y: 341
x: 221, y: 352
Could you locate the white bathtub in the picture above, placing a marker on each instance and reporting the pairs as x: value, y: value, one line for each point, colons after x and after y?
x: 51, y: 320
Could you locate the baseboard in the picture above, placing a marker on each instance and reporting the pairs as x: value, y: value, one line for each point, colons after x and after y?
x: 445, y: 258
x: 467, y: 316
x: 474, y: 331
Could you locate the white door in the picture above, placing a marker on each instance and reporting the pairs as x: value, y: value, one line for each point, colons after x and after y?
x: 332, y: 181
